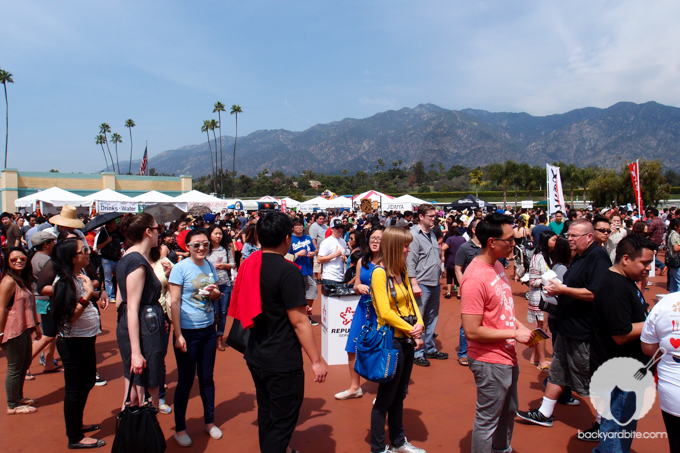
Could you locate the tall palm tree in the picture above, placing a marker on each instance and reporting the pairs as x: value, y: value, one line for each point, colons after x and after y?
x: 130, y: 124
x: 5, y: 78
x: 99, y: 140
x: 104, y: 129
x: 235, y: 110
x: 215, y: 125
x: 219, y: 108
x: 206, y: 128
x: 115, y: 139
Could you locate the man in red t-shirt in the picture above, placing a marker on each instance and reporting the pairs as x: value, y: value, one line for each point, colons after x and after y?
x: 491, y: 329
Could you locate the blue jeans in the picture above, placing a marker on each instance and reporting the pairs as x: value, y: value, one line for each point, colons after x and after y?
x: 201, y: 349
x: 658, y: 264
x: 462, y: 343
x: 623, y: 408
x: 221, y: 307
x: 673, y: 279
x: 109, y: 267
x: 428, y: 303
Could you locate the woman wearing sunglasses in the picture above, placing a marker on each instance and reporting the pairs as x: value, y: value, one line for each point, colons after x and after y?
x: 141, y: 321
x: 18, y: 320
x: 192, y: 291
x: 77, y: 323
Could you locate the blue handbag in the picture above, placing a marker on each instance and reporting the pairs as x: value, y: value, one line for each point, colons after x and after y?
x: 376, y: 358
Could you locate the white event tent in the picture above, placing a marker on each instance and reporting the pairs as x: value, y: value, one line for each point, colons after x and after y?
x: 108, y: 200
x: 404, y: 203
x: 194, y: 198
x: 310, y: 205
x: 50, y: 199
x: 155, y: 197
x: 338, y: 203
x: 290, y: 203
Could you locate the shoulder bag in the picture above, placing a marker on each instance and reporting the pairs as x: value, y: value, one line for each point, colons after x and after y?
x: 137, y: 428
x: 376, y: 358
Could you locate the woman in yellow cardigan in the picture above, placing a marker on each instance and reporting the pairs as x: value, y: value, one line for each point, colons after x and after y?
x: 395, y: 307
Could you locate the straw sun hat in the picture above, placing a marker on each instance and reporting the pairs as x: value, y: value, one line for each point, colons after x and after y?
x: 68, y: 217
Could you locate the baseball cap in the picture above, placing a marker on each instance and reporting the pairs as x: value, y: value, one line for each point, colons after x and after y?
x: 402, y: 223
x: 43, y: 236
x: 337, y: 223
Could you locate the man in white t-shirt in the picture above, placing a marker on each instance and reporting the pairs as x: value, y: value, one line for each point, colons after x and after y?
x: 333, y: 255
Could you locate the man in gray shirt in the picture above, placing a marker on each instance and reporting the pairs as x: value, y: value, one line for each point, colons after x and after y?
x: 318, y: 233
x: 424, y: 269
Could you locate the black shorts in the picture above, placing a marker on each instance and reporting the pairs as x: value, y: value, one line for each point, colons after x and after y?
x: 47, y: 325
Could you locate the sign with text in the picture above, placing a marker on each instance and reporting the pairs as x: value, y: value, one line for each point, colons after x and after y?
x: 127, y: 207
x: 555, y: 194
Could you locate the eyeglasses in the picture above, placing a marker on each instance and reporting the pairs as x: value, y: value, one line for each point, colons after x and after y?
x: 430, y: 216
x: 576, y: 236
x: 375, y: 240
x: 603, y: 230
x: 509, y: 240
x: 198, y: 245
x: 84, y: 251
x: 18, y: 258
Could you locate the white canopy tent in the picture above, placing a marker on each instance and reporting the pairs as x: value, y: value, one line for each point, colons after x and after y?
x: 290, y: 203
x: 107, y: 195
x: 153, y: 196
x: 195, y: 197
x: 377, y: 198
x: 268, y: 199
x: 403, y: 203
x: 310, y: 205
x: 108, y: 200
x: 337, y: 203
x: 49, y: 200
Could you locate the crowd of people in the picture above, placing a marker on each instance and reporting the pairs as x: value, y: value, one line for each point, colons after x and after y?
x: 176, y: 283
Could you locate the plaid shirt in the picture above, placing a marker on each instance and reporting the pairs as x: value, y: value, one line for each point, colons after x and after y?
x: 656, y: 230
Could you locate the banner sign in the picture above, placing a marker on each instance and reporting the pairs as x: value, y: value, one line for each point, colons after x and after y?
x: 635, y: 177
x: 555, y: 194
x: 283, y: 206
x: 527, y: 204
x: 117, y: 206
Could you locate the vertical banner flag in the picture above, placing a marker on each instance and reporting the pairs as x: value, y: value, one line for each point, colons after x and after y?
x: 555, y: 195
x: 145, y: 161
x: 635, y: 177
x: 283, y: 206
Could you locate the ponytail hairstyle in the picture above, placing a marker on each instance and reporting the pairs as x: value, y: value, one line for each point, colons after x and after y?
x: 25, y: 279
x: 133, y: 227
x: 63, y: 301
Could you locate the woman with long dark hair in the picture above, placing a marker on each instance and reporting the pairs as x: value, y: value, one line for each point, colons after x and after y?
x: 193, y: 290
x: 249, y: 235
x: 397, y: 309
x: 370, y: 257
x: 18, y: 320
x: 141, y: 320
x: 540, y: 263
x: 77, y: 322
x: 223, y: 259
x: 452, y: 242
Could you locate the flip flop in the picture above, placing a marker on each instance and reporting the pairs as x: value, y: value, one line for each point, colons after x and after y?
x: 21, y: 410
x: 545, y: 369
x: 28, y: 402
x: 90, y: 428
x: 463, y: 361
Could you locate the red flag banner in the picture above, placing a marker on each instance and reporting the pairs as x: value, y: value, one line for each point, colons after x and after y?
x: 635, y: 177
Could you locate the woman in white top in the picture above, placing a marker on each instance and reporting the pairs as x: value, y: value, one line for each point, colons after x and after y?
x: 77, y: 322
x: 661, y: 330
x: 540, y: 263
x: 222, y: 258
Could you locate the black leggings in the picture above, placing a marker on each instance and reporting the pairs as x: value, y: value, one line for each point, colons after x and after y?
x: 673, y: 429
x: 451, y: 276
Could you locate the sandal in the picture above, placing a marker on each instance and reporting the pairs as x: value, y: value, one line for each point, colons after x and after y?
x: 21, y: 410
x: 220, y: 345
x: 447, y: 296
x: 463, y: 361
x: 28, y: 402
x: 545, y: 369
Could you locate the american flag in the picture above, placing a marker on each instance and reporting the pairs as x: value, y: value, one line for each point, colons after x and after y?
x: 145, y: 161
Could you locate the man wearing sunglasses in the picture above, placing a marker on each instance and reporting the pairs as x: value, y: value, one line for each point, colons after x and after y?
x: 601, y: 230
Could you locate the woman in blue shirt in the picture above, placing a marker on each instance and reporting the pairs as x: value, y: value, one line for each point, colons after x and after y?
x: 192, y: 283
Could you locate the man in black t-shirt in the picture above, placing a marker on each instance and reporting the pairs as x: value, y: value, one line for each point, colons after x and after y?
x: 571, y: 356
x: 273, y: 353
x: 109, y: 244
x: 619, y: 313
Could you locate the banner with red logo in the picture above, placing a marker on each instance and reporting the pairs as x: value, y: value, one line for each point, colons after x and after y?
x: 283, y: 206
x: 555, y: 194
x: 635, y: 177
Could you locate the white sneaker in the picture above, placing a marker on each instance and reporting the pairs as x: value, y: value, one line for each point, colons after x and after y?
x: 346, y: 395
x: 184, y: 440
x: 408, y: 447
x: 214, y: 432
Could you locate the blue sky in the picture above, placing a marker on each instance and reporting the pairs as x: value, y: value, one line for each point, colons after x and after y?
x: 290, y: 65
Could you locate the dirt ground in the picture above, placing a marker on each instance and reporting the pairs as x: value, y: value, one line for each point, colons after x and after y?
x: 438, y: 415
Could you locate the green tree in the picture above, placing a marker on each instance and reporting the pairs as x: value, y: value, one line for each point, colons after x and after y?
x: 206, y: 128
x: 419, y: 172
x: 497, y: 174
x: 476, y: 180
x: 582, y: 177
x: 219, y: 108
x: 99, y: 140
x: 535, y: 179
x: 441, y: 168
x: 5, y: 78
x: 213, y: 126
x: 115, y: 139
x: 105, y: 129
x: 235, y: 110
x: 129, y: 123
x: 517, y: 175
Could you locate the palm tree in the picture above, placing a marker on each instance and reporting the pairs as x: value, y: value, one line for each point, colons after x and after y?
x: 219, y: 108
x: 5, y: 78
x: 497, y: 174
x: 115, y: 139
x: 104, y: 129
x: 206, y: 128
x: 130, y: 124
x: 235, y: 110
x: 99, y: 140
x: 583, y: 177
x: 215, y: 125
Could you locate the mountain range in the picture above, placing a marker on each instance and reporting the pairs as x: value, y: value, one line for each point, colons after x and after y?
x: 588, y: 136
